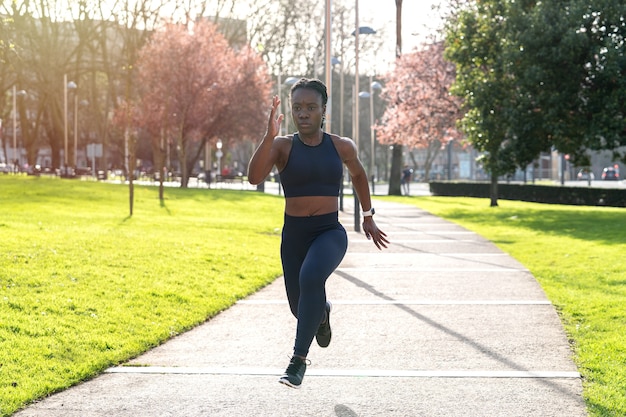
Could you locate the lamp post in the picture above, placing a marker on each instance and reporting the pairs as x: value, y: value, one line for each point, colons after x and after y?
x: 16, y: 154
x: 75, y: 129
x: 219, y: 155
x: 328, y: 62
x: 364, y: 30
x: 374, y: 85
x: 336, y: 61
x: 367, y: 31
x: 357, y: 208
x: 279, y: 87
x: 71, y: 86
x: 290, y: 81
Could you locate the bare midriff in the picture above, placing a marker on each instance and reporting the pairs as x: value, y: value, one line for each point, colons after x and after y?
x: 310, y: 206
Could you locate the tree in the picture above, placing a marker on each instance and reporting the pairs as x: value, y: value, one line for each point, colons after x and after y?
x: 96, y: 44
x: 422, y: 112
x: 475, y: 42
x: 569, y: 67
x: 38, y: 56
x: 544, y: 60
x: 93, y: 43
x: 604, y: 26
x: 126, y: 118
x: 212, y: 92
x: 540, y: 75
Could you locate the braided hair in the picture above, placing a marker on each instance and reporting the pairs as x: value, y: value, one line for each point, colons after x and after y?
x: 313, y: 84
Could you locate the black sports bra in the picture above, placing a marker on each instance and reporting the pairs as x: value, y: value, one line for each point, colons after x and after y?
x: 312, y: 170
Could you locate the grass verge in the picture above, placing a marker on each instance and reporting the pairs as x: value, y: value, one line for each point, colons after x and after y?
x: 578, y: 256
x: 83, y: 286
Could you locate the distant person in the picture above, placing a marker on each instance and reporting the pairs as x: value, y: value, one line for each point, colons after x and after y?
x: 407, y: 175
x: 310, y: 163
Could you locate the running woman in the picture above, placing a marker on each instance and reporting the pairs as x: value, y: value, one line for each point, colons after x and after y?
x: 310, y: 163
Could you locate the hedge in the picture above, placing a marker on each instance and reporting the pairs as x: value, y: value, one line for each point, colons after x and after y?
x: 579, y: 196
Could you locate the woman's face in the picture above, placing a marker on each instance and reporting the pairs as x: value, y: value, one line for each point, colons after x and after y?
x: 307, y: 110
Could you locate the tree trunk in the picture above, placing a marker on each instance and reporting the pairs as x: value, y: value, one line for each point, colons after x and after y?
x: 131, y: 194
x: 395, y: 176
x: 182, y: 160
x: 161, y: 175
x: 158, y: 153
x: 493, y: 190
x: 28, y: 134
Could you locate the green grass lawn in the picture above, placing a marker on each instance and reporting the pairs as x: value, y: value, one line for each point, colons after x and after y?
x: 83, y: 286
x: 578, y: 255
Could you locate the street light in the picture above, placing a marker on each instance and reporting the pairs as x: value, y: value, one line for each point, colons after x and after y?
x: 16, y: 155
x: 374, y: 86
x: 71, y: 86
x: 341, y: 94
x: 366, y: 31
x: 328, y: 64
x: 290, y: 81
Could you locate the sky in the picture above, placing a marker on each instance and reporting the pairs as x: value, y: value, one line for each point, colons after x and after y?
x: 418, y: 21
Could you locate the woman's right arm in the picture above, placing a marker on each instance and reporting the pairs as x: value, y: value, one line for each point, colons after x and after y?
x: 266, y: 154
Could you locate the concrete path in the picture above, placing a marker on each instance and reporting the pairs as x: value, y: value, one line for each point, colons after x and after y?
x: 440, y: 324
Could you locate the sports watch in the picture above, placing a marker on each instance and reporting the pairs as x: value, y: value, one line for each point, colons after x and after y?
x: 369, y: 212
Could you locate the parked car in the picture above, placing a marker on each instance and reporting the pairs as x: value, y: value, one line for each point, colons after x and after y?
x: 585, y: 175
x: 610, y: 174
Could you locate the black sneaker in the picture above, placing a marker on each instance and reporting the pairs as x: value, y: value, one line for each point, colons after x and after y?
x: 324, y: 332
x: 294, y: 374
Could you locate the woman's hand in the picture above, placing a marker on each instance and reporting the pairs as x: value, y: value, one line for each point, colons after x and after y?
x: 372, y: 232
x: 273, y: 124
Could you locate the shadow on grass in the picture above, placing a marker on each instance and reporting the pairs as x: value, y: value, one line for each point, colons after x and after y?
x: 606, y: 227
x: 164, y: 206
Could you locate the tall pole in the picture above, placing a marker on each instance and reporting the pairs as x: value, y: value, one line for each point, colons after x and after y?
x: 280, y: 96
x: 16, y: 155
x: 356, y: 75
x: 75, y: 130
x: 15, y: 129
x: 357, y: 208
x: 290, y: 81
x: 341, y: 107
x: 65, y: 121
x: 373, y: 139
x: 329, y: 75
x: 341, y: 79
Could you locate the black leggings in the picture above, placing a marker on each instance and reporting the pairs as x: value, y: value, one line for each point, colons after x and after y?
x: 311, y: 249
